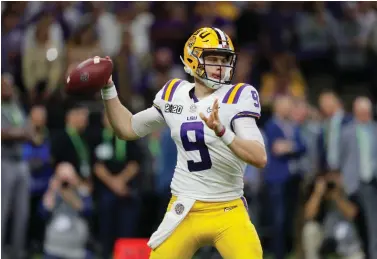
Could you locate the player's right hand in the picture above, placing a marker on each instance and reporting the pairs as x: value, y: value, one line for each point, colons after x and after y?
x: 110, y: 81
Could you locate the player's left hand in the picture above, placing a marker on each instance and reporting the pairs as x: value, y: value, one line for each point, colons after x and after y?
x: 213, y: 122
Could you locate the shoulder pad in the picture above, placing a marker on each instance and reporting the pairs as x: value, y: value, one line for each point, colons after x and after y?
x: 234, y: 93
x: 170, y: 88
x: 246, y: 100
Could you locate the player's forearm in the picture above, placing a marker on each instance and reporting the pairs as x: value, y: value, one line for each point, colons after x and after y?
x: 120, y: 119
x: 250, y: 151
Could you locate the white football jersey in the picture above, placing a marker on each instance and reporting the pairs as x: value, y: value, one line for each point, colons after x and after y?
x: 206, y: 170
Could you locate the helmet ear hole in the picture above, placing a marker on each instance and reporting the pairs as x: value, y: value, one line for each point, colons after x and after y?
x: 189, y: 60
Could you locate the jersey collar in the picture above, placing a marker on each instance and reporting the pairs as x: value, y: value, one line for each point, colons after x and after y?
x: 192, y: 95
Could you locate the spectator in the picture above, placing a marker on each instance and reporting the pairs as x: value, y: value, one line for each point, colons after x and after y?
x: 139, y: 30
x: 37, y: 154
x: 330, y: 218
x: 162, y: 71
x: 250, y: 20
x: 14, y: 171
x: 284, y: 146
x: 284, y: 79
x: 244, y: 70
x: 84, y: 43
x: 128, y: 74
x: 366, y: 16
x: 351, y: 55
x: 315, y: 32
x: 109, y: 32
x: 173, y: 19
x: 66, y: 204
x: 372, y: 44
x: 43, y: 57
x: 309, y: 129
x: 11, y: 38
x: 117, y: 169
x: 279, y: 26
x: 69, y: 16
x: 166, y: 162
x: 71, y: 145
x: 358, y: 145
x: 132, y: 17
x: 133, y: 56
x: 335, y: 119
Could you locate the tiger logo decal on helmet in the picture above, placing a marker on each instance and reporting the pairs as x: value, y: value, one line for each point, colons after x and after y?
x: 209, y: 41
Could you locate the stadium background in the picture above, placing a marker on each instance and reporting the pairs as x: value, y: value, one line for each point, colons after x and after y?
x: 292, y: 48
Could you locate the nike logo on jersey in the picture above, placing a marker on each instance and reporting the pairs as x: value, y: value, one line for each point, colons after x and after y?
x: 209, y: 109
x: 173, y: 108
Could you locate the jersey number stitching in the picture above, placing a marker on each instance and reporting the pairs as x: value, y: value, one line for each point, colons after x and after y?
x: 197, y: 145
x: 254, y: 94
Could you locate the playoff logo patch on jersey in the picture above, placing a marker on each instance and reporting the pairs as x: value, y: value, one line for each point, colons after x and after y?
x: 173, y: 108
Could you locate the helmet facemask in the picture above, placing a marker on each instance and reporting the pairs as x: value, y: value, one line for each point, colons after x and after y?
x: 227, y: 63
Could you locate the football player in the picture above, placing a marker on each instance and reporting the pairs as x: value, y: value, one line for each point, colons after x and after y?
x: 213, y: 125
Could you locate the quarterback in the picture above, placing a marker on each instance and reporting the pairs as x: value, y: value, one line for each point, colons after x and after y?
x: 213, y: 125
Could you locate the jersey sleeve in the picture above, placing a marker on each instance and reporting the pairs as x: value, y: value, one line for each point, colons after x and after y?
x: 147, y: 121
x: 245, y: 99
x: 246, y: 128
x: 158, y: 102
x: 152, y: 119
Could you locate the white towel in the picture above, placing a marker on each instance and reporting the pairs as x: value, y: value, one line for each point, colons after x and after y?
x: 172, y: 219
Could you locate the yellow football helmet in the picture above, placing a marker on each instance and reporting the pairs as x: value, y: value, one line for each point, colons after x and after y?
x: 209, y: 41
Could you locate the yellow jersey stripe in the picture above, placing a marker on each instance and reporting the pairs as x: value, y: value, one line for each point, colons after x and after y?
x: 234, y: 93
x: 169, y: 89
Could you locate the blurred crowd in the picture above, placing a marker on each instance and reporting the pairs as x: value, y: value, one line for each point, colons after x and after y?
x: 70, y: 187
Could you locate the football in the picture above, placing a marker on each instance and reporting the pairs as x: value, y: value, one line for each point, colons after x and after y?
x: 89, y: 76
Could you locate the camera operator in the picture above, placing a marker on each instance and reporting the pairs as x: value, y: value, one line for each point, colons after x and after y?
x: 67, y: 202
x: 329, y: 220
